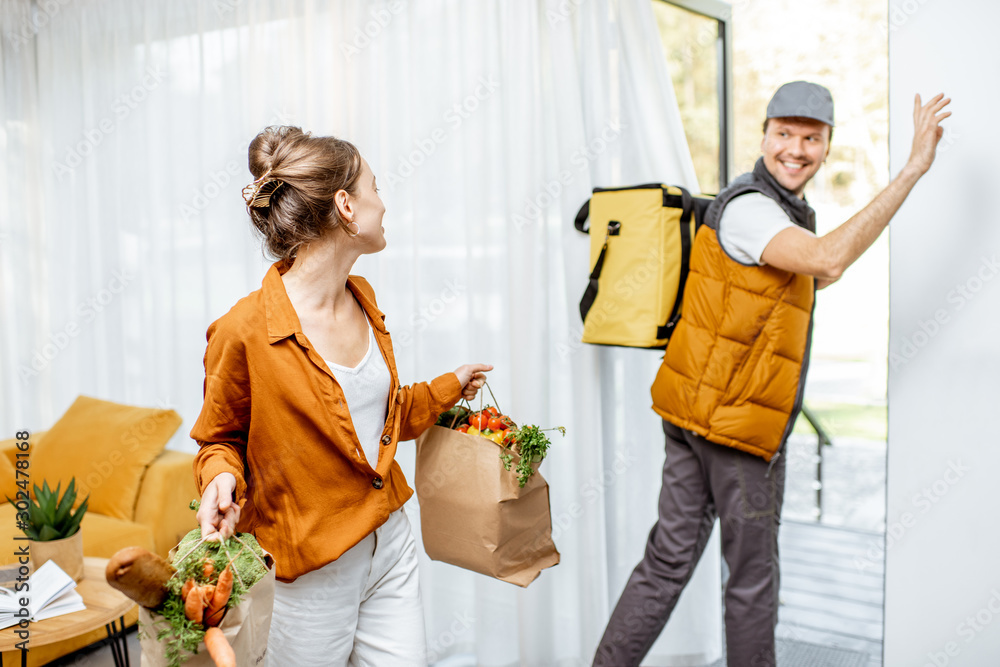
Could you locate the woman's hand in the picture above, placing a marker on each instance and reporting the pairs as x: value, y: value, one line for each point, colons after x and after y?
x: 218, y: 513
x: 472, y: 377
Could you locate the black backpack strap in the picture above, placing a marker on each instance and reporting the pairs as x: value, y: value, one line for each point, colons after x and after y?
x: 686, y: 213
x: 614, y: 227
x: 581, y: 217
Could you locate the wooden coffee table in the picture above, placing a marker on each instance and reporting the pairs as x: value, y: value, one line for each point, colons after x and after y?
x: 105, y: 606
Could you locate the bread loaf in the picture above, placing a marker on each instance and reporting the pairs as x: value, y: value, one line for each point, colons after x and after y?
x: 141, y: 575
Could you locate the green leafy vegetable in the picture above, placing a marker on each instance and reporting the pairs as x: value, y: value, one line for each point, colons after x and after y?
x: 180, y: 637
x: 242, y: 548
x: 531, y: 445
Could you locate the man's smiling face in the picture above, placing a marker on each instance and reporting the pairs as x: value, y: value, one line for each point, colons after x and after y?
x: 794, y: 150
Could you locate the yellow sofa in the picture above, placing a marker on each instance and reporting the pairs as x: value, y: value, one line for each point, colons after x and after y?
x: 160, y: 517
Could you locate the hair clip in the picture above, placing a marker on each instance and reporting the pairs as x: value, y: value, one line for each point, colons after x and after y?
x: 257, y: 194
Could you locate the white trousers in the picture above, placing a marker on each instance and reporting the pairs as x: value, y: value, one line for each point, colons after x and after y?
x: 362, y: 609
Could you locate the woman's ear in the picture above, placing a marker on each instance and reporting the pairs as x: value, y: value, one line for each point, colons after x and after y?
x: 342, y: 200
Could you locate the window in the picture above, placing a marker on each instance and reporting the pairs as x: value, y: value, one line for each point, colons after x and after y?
x: 697, y: 44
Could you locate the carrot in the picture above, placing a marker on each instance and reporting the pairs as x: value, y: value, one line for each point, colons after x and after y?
x: 186, y: 588
x: 207, y: 593
x: 194, y: 605
x: 219, y: 648
x: 217, y: 605
x: 208, y: 569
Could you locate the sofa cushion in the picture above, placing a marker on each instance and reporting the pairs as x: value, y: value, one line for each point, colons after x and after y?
x: 102, y: 535
x: 164, y: 500
x: 8, y: 447
x: 9, y: 452
x: 8, y: 480
x: 107, y: 447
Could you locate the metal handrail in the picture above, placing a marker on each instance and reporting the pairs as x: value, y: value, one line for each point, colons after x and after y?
x: 821, y: 439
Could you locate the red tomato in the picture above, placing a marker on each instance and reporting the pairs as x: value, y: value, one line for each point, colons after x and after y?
x: 495, y: 424
x: 480, y: 420
x: 493, y: 412
x: 464, y: 428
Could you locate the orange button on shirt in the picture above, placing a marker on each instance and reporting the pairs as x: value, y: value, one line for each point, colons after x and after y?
x: 276, y: 418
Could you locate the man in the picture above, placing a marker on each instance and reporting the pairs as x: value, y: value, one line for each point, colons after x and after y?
x: 731, y: 382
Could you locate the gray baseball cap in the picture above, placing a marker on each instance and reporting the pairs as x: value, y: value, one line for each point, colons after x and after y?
x: 804, y: 100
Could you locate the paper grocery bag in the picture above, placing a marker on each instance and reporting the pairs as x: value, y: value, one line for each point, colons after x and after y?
x: 474, y: 515
x: 246, y: 626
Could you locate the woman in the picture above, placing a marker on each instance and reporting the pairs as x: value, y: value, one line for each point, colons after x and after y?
x: 303, y: 411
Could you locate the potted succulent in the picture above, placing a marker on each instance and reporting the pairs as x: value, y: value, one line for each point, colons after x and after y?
x: 53, y: 528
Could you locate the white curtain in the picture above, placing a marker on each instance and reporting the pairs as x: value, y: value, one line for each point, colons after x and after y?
x: 124, y: 234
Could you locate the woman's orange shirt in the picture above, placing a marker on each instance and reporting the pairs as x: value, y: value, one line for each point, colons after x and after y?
x: 276, y: 418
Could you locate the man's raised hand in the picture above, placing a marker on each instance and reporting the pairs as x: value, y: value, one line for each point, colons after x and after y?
x: 927, y: 131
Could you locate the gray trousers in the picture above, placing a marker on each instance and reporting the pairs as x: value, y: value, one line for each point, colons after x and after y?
x: 702, y: 481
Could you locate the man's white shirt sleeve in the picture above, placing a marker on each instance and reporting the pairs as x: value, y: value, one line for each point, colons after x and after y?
x: 748, y: 224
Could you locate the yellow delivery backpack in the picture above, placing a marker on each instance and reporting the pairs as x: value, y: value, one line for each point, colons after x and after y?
x: 640, y: 249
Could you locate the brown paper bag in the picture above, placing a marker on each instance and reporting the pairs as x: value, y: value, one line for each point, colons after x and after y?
x: 246, y: 626
x: 474, y: 515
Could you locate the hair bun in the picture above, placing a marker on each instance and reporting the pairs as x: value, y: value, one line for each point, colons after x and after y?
x: 268, y: 147
x: 296, y: 177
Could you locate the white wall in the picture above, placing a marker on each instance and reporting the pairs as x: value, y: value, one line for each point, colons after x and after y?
x: 943, y: 556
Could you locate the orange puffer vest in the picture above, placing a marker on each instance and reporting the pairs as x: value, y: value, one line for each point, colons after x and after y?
x: 735, y: 366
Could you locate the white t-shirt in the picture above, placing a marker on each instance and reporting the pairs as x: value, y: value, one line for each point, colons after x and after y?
x: 748, y: 224
x: 366, y: 389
